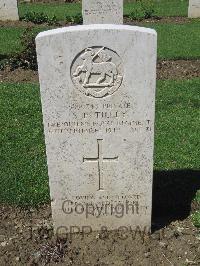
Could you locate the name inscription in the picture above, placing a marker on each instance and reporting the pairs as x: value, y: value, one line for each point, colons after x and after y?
x: 92, y: 118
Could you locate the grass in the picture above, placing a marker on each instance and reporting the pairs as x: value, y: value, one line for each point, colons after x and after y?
x: 10, y: 41
x: 174, y: 41
x: 196, y: 219
x: 177, y: 125
x: 23, y: 173
x: 178, y: 41
x: 61, y: 10
x: 162, y: 8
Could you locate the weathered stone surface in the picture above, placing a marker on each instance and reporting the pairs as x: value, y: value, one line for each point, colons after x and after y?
x: 102, y: 12
x: 194, y: 9
x: 8, y: 10
x: 98, y: 113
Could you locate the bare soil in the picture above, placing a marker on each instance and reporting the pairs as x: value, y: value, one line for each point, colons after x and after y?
x: 26, y: 238
x: 19, y: 75
x: 174, y: 20
x: 26, y: 235
x: 4, y: 24
x: 179, y: 69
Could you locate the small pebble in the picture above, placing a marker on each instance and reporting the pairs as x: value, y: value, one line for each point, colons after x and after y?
x: 3, y: 244
x: 147, y: 254
x: 163, y: 245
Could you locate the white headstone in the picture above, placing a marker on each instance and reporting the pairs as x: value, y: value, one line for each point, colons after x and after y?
x: 8, y: 10
x: 102, y: 11
x: 194, y: 9
x: 98, y: 111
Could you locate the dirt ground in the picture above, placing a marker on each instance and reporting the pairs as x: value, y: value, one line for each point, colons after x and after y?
x: 174, y: 20
x: 179, y: 69
x: 26, y: 238
x: 19, y: 75
x: 26, y: 235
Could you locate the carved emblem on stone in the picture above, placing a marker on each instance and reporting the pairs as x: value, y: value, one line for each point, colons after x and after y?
x: 97, y: 72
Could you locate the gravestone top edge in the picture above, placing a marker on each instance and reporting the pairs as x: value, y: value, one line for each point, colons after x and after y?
x: 95, y: 27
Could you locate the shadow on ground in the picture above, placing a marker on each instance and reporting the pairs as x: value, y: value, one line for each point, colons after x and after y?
x: 3, y: 56
x: 173, y: 193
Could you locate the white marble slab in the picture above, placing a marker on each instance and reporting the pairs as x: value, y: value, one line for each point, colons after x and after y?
x: 102, y: 11
x: 8, y: 10
x: 98, y: 95
x: 194, y: 9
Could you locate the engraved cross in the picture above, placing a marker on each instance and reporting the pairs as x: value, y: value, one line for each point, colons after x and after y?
x: 100, y: 160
